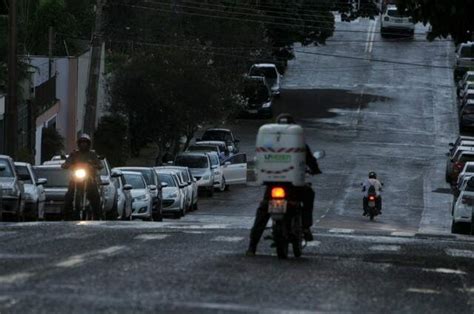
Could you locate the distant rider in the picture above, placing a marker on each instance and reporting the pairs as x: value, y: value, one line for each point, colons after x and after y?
x: 84, y: 155
x: 372, y: 181
x: 306, y: 195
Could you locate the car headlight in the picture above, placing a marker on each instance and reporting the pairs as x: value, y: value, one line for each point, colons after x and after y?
x: 206, y: 177
x: 217, y: 172
x: 172, y: 195
x: 10, y: 192
x: 267, y: 104
x: 141, y: 198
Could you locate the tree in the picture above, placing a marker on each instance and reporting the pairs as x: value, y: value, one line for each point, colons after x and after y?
x: 52, y: 143
x: 446, y: 17
x: 110, y: 139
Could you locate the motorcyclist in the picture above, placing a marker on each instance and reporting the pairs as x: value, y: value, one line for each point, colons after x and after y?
x: 372, y: 181
x: 306, y: 194
x: 84, y: 155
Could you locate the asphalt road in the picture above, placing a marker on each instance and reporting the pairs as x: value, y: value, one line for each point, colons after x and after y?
x: 395, y: 119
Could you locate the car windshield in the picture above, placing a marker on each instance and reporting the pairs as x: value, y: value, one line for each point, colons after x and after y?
x: 192, y: 161
x: 202, y: 148
x: 393, y: 12
x: 57, y: 177
x: 167, y: 178
x: 466, y: 157
x: 8, y: 171
x: 256, y: 93
x: 135, y: 180
x: 467, y: 52
x: 24, y: 174
x: 470, y: 168
x: 104, y: 171
x: 147, y: 174
x: 216, y: 135
x: 214, y: 160
x: 267, y: 72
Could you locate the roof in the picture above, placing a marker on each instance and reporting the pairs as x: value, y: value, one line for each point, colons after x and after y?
x: 192, y: 154
x: 132, y: 172
x: 171, y: 168
x: 133, y: 168
x: 49, y: 166
x: 203, y: 143
x: 19, y: 163
x: 219, y: 129
x: 261, y: 65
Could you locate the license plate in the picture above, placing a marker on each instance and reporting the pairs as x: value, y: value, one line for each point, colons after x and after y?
x: 277, y: 207
x: 253, y: 111
x: 371, y: 204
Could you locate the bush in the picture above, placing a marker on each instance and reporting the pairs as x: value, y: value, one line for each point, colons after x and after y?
x: 52, y: 143
x: 110, y: 139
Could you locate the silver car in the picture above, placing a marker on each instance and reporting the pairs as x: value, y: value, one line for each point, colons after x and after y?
x: 124, y: 195
x: 12, y: 191
x: 189, y: 185
x: 173, y: 196
x: 35, y: 195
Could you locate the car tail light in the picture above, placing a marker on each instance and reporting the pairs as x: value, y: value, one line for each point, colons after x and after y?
x: 371, y: 198
x: 459, y: 166
x: 278, y: 192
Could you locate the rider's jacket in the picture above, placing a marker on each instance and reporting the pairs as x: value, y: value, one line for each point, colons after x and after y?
x: 371, y: 182
x: 88, y: 157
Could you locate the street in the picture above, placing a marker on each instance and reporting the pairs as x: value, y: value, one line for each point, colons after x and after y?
x: 368, y: 115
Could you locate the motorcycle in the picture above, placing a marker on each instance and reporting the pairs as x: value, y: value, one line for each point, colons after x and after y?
x: 372, y: 200
x: 286, y: 215
x: 81, y: 207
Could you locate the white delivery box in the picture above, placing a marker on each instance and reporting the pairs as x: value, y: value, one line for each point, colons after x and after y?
x: 281, y: 154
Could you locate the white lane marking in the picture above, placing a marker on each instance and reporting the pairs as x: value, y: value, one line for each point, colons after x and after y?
x: 227, y: 239
x: 366, y: 238
x: 313, y: 244
x: 372, y: 36
x: 233, y: 307
x: 148, y: 237
x: 14, y: 278
x: 195, y: 232
x: 7, y: 233
x: 341, y: 230
x: 388, y: 248
x: 423, y: 291
x: 82, y: 258
x: 444, y: 271
x: 403, y: 234
x: 368, y: 37
x: 460, y: 253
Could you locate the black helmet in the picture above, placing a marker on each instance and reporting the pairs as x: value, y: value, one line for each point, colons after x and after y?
x: 372, y: 175
x: 285, y: 118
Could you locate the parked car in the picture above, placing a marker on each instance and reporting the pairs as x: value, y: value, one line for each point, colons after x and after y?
x: 258, y: 97
x: 124, y: 196
x: 466, y: 79
x: 462, y: 213
x: 458, y: 162
x: 394, y: 22
x: 270, y: 72
x: 173, y: 197
x: 142, y: 203
x: 467, y: 184
x: 219, y: 178
x: 466, y: 173
x: 12, y: 191
x: 469, y: 95
x: 55, y: 188
x: 235, y: 169
x: 185, y: 188
x: 200, y: 166
x: 35, y: 195
x: 154, y: 186
x: 466, y: 116
x: 191, y: 188
x: 219, y: 147
x: 469, y: 86
x: 464, y: 59
x: 222, y: 135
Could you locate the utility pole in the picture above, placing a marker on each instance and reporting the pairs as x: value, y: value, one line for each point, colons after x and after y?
x: 11, y: 107
x: 94, y: 72
x: 50, y: 51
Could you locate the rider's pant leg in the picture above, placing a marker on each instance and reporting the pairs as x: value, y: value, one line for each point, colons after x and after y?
x: 308, y: 205
x: 366, y: 204
x: 259, y: 225
x: 379, y: 203
x: 68, y: 202
x: 94, y: 199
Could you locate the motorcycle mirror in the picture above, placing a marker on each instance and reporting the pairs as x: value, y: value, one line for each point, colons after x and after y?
x: 2, y: 167
x: 127, y: 187
x: 320, y: 154
x: 104, y: 182
x: 164, y: 184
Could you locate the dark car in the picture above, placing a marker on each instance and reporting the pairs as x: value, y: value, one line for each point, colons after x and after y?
x: 55, y: 188
x: 466, y: 116
x: 222, y: 135
x: 154, y: 186
x: 258, y: 97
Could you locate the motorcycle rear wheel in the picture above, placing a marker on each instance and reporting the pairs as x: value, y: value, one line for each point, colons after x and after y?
x: 280, y: 237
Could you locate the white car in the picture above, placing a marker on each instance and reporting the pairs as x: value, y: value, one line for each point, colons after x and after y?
x: 183, y: 185
x: 35, y: 195
x: 466, y: 79
x: 173, y: 197
x: 200, y: 166
x: 467, y: 172
x: 219, y: 178
x: 124, y: 196
x: 462, y: 213
x: 219, y: 147
x: 467, y: 88
x: 394, y: 22
x: 464, y: 58
x: 234, y: 169
x: 270, y: 72
x: 186, y: 176
x: 12, y: 190
x: 142, y: 203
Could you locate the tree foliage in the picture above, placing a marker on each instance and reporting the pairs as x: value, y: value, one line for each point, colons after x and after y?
x: 446, y: 17
x: 52, y: 143
x: 110, y: 139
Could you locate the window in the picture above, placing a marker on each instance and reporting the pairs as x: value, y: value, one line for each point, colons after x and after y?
x: 267, y: 72
x: 467, y: 52
x: 136, y: 181
x: 8, y: 171
x: 57, y: 177
x: 238, y: 159
x: 192, y: 161
x: 24, y: 174
x: 167, y: 178
x: 147, y: 174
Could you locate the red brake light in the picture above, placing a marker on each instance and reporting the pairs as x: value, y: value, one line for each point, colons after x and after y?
x: 371, y: 198
x: 459, y: 165
x: 278, y: 192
